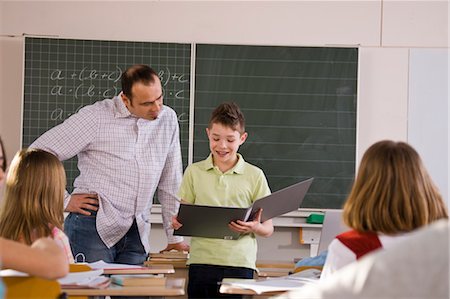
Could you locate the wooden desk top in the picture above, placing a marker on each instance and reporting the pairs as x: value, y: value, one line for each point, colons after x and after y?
x: 173, y: 287
x: 176, y: 263
x: 148, y: 269
x: 181, y: 263
x: 275, y: 264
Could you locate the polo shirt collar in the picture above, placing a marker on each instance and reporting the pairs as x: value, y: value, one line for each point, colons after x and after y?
x: 238, y: 168
x: 240, y: 165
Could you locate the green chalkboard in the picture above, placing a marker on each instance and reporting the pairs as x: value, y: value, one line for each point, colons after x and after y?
x: 299, y: 102
x: 300, y: 108
x: 63, y: 75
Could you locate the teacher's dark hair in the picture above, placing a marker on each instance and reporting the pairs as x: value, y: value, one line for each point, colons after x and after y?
x: 139, y: 73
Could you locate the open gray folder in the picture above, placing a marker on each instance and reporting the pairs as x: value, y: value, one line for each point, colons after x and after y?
x: 212, y: 221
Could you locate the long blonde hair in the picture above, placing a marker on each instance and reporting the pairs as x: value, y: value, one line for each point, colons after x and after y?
x: 393, y: 191
x: 34, y: 196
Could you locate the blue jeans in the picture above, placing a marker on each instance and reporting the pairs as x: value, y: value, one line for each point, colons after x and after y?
x: 83, y: 237
x: 204, y: 280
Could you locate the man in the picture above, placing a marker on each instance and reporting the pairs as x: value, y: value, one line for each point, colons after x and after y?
x: 127, y: 148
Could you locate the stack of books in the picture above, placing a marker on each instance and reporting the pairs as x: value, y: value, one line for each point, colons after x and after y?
x: 175, y: 258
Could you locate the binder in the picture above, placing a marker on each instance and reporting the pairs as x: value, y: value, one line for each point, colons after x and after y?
x: 212, y: 221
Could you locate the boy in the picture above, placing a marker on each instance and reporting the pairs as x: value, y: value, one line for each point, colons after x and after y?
x: 224, y: 179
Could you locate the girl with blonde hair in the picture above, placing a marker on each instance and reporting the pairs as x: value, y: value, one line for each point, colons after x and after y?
x: 2, y: 163
x: 393, y: 194
x: 32, y: 206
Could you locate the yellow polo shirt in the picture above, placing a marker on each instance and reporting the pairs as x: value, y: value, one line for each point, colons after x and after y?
x: 204, y: 184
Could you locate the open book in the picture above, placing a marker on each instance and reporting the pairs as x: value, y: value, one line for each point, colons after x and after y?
x: 284, y: 283
x: 112, y: 266
x: 85, y: 279
x: 212, y: 221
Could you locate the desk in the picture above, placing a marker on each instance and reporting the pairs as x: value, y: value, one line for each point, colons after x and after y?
x: 181, y: 269
x: 173, y: 287
x: 148, y: 269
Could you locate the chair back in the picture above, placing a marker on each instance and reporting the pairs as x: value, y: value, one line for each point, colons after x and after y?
x: 79, y: 268
x: 30, y: 287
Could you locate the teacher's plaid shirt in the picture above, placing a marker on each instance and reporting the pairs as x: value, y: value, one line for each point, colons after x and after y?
x: 124, y: 159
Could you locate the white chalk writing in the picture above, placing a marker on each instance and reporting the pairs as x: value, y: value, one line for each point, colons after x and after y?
x: 87, y: 85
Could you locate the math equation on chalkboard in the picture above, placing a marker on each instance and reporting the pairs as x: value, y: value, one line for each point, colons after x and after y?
x: 97, y: 84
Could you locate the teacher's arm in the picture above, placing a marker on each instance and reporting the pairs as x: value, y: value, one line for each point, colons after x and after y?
x: 67, y: 140
x: 167, y: 190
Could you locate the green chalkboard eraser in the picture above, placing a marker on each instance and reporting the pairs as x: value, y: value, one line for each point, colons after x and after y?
x: 315, y: 219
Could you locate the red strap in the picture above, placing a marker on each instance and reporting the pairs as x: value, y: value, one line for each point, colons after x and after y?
x: 360, y: 243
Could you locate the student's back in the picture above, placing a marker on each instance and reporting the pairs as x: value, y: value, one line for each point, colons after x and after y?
x: 32, y: 207
x: 392, y: 195
x: 44, y: 258
x: 412, y: 268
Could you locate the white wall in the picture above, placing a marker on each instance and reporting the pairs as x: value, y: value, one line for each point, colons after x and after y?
x: 265, y: 22
x: 428, y: 111
x: 11, y: 72
x: 385, y: 31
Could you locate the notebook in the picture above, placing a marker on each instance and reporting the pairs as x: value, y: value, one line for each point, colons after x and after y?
x: 212, y: 221
x: 331, y: 227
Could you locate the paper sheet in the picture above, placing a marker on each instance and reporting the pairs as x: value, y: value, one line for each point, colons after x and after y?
x: 103, y: 265
x: 284, y: 283
x: 80, y: 277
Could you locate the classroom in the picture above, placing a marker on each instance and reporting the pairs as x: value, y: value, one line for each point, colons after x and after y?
x: 402, y: 72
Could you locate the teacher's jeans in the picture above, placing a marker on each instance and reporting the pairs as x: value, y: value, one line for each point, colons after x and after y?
x: 84, y: 239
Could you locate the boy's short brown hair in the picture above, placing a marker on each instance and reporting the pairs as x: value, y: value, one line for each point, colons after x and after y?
x: 228, y: 114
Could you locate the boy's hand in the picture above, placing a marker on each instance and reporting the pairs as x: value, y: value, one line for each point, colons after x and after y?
x: 264, y: 229
x: 243, y: 227
x: 175, y: 224
x: 258, y: 215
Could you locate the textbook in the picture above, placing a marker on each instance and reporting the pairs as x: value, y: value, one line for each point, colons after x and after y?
x: 101, y: 282
x: 176, y: 263
x: 212, y: 221
x: 139, y: 280
x: 85, y: 280
x: 278, y: 284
